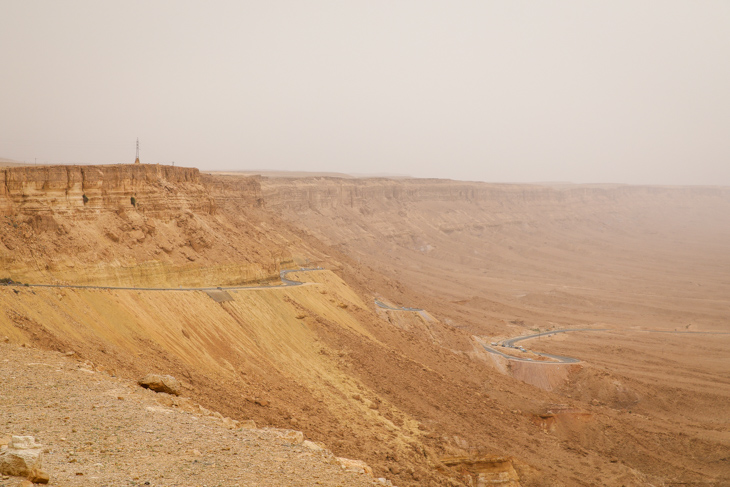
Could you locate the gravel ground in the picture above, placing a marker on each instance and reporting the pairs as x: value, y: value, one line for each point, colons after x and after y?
x: 99, y: 430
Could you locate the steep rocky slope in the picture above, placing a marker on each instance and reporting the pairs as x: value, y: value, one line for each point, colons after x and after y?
x: 313, y: 358
x: 141, y: 225
x: 491, y: 254
x: 506, y: 260
x: 413, y: 395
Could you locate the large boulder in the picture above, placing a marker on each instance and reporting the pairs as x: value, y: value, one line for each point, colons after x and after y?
x: 21, y: 457
x: 161, y: 383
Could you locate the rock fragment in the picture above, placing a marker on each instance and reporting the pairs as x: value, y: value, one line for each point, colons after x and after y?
x: 39, y: 477
x: 230, y: 423
x: 22, y: 456
x: 357, y: 466
x: 291, y: 436
x: 312, y: 445
x: 161, y: 383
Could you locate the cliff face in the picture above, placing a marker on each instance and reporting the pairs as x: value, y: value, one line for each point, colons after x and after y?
x: 518, y: 250
x: 414, y: 209
x: 317, y: 194
x: 135, y: 225
x: 87, y: 190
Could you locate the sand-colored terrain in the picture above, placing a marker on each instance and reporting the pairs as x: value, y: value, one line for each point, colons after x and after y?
x: 100, y: 430
x: 412, y: 393
x: 508, y: 260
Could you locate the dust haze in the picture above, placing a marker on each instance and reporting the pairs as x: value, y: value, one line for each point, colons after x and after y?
x: 621, y: 91
x: 267, y: 298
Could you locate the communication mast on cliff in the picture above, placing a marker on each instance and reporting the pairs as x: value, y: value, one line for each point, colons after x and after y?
x: 136, y: 161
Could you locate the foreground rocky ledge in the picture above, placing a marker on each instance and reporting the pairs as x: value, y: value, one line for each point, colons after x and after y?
x: 101, y: 430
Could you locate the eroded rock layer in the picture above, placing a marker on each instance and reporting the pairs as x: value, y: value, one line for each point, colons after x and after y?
x: 134, y: 225
x: 87, y: 190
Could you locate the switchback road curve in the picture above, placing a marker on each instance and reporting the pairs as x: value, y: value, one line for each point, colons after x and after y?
x: 559, y: 359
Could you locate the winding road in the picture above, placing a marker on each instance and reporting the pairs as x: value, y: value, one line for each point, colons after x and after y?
x: 510, y: 343
x: 282, y: 275
x: 559, y: 359
x: 285, y: 282
x: 402, y: 308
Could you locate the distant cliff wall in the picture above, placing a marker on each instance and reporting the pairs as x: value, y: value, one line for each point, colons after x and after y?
x: 425, y: 214
x: 318, y: 193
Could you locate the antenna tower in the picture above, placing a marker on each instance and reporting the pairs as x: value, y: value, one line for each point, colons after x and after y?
x: 136, y: 161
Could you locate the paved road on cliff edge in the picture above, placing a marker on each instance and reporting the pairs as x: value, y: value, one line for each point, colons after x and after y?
x: 288, y: 282
x: 285, y: 283
x: 402, y: 308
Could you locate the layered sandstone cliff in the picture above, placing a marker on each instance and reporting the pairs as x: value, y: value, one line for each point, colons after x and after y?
x: 87, y: 190
x: 316, y: 194
x: 418, y: 213
x: 132, y: 225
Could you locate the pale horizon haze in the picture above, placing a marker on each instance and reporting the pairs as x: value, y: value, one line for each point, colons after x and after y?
x: 578, y: 91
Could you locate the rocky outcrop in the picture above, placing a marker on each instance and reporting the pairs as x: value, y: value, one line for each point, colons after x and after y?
x: 90, y: 190
x: 291, y: 436
x: 485, y: 470
x: 22, y: 457
x: 161, y: 383
x: 38, y: 477
x: 356, y: 466
x: 426, y: 215
x: 234, y: 190
x: 132, y: 225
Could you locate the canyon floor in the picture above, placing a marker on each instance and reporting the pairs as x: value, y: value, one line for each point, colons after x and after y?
x: 412, y: 392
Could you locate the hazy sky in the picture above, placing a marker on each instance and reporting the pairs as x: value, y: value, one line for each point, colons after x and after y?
x: 585, y: 91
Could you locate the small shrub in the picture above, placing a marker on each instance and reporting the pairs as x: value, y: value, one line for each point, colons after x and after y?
x: 85, y: 198
x: 133, y: 200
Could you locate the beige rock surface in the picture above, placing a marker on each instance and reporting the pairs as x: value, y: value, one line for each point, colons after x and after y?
x: 21, y: 456
x: 174, y: 235
x: 161, y: 383
x: 39, y: 477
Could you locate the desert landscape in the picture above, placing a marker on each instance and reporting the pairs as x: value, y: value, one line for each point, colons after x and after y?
x: 374, y: 243
x: 328, y: 330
